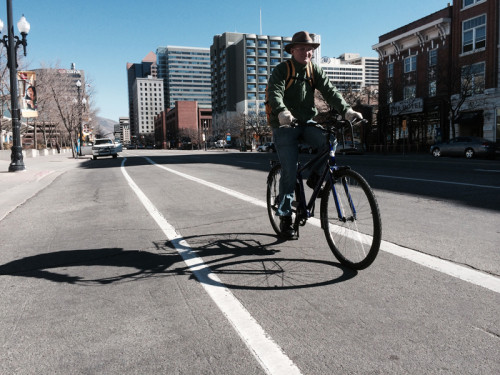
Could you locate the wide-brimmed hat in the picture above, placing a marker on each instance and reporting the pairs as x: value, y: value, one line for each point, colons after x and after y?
x: 302, y: 37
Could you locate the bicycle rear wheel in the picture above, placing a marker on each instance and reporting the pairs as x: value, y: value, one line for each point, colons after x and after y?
x: 353, y: 227
x: 272, y: 196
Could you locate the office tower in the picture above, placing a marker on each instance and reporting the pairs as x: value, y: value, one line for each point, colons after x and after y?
x: 186, y: 74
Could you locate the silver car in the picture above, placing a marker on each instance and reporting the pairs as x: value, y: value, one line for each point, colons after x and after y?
x: 464, y: 146
x: 267, y: 147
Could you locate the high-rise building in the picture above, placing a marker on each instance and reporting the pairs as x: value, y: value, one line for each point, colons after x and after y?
x: 186, y: 74
x: 351, y: 71
x: 147, y: 95
x: 134, y: 71
x: 122, y: 130
x: 369, y: 64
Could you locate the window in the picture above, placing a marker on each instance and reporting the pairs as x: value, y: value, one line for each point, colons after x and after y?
x: 474, y: 34
x: 410, y: 64
x: 390, y: 70
x: 410, y: 92
x: 433, y: 56
x: 473, y: 79
x: 432, y: 89
x: 468, y: 3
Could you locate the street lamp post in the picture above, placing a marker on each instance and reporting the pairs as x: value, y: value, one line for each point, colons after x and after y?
x: 78, y: 86
x: 11, y: 43
x: 205, y: 133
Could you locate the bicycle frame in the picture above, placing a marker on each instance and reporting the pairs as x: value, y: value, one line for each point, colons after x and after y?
x: 305, y: 208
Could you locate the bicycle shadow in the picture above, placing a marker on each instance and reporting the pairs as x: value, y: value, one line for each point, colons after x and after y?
x: 233, y: 261
x: 239, y: 261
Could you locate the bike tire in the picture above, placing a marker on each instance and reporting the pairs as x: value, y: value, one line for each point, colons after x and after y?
x: 355, y: 240
x: 272, y: 196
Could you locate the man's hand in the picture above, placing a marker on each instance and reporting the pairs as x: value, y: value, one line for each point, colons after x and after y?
x: 350, y: 115
x: 285, y: 118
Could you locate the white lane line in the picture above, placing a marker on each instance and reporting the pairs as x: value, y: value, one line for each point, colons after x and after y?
x: 269, y: 354
x: 449, y: 268
x: 438, y: 181
x: 231, y: 192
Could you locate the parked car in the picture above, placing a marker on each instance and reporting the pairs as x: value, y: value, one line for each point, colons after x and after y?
x: 304, y: 147
x: 267, y: 147
x: 221, y: 144
x: 464, y: 146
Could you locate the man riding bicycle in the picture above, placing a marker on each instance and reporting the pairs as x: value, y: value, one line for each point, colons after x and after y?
x: 294, y: 100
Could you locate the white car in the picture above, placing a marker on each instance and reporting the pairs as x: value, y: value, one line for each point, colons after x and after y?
x: 267, y: 147
x: 106, y: 147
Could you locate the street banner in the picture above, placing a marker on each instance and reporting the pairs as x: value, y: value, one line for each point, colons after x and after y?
x: 27, y: 93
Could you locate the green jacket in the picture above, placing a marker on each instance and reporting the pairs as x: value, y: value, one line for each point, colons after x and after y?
x: 299, y: 97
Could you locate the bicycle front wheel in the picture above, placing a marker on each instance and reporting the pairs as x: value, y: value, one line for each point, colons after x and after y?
x: 272, y: 196
x: 350, y: 218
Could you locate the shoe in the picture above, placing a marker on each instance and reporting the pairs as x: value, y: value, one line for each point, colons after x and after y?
x: 286, y: 228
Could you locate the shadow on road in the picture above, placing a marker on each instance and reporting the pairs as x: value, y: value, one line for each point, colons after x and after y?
x: 240, y: 260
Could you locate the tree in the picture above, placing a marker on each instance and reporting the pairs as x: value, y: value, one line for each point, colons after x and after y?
x: 60, y: 104
x: 255, y: 125
x: 190, y: 136
x: 465, y: 82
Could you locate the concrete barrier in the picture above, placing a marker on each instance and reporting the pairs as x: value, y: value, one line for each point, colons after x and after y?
x: 5, y: 155
x: 31, y: 153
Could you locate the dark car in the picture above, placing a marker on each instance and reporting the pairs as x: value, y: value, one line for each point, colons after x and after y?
x: 464, y: 146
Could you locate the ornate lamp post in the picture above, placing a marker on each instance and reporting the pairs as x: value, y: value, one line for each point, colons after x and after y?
x: 78, y: 86
x: 11, y: 43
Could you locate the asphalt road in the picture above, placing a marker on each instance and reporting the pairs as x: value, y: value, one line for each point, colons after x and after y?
x: 165, y: 262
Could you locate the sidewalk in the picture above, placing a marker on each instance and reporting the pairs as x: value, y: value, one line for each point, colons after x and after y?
x: 17, y: 187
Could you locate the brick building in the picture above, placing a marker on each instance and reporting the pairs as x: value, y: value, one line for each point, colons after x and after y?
x: 184, y: 126
x: 476, y: 28
x: 439, y: 76
x: 413, y: 89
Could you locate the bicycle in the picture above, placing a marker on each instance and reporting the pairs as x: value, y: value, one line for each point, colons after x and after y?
x: 349, y: 212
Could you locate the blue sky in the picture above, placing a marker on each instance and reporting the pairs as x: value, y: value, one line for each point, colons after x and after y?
x: 100, y: 37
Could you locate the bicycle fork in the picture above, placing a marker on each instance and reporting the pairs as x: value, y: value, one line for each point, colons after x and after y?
x: 338, y: 204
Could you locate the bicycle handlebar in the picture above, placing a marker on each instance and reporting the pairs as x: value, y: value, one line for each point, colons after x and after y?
x: 331, y: 123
